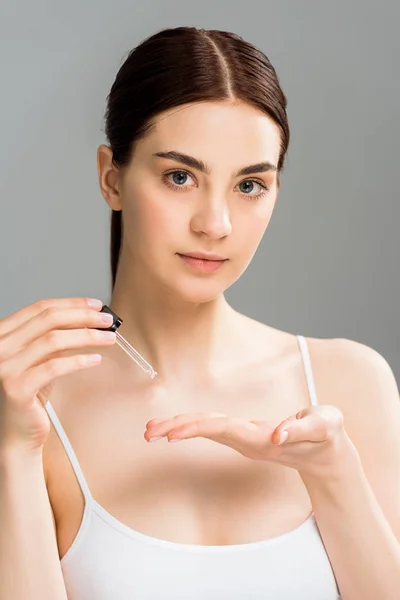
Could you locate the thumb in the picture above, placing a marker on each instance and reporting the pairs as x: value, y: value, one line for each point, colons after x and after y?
x: 306, y: 425
x: 313, y: 424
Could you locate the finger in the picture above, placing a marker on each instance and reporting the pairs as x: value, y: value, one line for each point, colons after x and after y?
x: 242, y: 436
x: 12, y: 322
x: 47, y: 321
x: 160, y: 427
x: 319, y: 425
x: 276, y: 435
x: 51, y: 344
x: 224, y: 430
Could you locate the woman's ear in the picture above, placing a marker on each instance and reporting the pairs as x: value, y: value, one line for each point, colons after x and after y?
x: 108, y: 177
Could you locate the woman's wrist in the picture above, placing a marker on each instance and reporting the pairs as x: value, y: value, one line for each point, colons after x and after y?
x: 340, y: 461
x: 13, y: 457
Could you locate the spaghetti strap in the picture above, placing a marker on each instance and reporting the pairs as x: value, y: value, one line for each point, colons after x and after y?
x: 68, y: 449
x: 308, y: 369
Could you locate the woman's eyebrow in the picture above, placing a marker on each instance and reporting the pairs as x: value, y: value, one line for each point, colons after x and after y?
x: 195, y: 163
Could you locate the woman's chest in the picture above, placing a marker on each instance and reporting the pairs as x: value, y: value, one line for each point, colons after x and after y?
x: 196, y: 491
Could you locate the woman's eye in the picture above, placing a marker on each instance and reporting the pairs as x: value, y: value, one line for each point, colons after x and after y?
x: 248, y: 186
x: 177, y: 180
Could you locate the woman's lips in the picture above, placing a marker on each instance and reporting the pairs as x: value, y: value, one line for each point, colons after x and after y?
x: 204, y: 265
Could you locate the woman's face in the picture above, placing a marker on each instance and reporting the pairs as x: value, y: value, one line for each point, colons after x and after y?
x: 199, y: 201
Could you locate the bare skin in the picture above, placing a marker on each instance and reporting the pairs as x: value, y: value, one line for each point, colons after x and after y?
x: 208, y: 356
x: 195, y: 492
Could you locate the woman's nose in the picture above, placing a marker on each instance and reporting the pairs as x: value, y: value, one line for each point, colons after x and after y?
x: 212, y: 220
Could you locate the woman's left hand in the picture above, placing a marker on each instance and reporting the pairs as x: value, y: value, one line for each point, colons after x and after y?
x: 316, y: 441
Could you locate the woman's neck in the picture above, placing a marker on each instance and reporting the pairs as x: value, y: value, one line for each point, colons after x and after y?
x: 181, y: 340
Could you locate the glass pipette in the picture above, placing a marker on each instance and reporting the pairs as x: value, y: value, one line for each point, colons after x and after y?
x: 124, y: 345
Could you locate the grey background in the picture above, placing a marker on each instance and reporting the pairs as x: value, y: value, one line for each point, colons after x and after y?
x: 328, y: 264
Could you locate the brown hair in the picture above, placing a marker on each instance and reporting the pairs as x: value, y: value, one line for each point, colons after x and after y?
x: 178, y: 66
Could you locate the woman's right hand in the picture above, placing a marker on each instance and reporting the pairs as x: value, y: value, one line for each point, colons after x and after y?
x: 32, y: 341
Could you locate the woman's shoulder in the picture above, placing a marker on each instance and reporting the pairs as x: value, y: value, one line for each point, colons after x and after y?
x: 339, y: 365
x: 347, y: 373
x: 359, y: 381
x: 348, y: 368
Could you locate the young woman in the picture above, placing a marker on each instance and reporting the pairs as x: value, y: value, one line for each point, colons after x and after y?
x: 286, y: 481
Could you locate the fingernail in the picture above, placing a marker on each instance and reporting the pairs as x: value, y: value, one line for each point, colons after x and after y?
x: 107, y: 335
x: 106, y: 318
x: 176, y: 440
x: 154, y: 439
x: 93, y: 358
x: 94, y: 302
x: 283, y: 437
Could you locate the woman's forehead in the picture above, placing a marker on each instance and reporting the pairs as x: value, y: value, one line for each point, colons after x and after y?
x: 211, y: 131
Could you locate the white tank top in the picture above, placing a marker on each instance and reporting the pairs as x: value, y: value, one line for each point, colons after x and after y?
x: 110, y: 561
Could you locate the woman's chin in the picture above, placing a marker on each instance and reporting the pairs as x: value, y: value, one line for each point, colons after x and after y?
x: 196, y: 289
x: 198, y: 292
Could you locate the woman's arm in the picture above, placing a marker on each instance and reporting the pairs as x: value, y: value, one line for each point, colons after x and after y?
x: 357, y: 508
x: 361, y: 545
x: 29, y: 561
